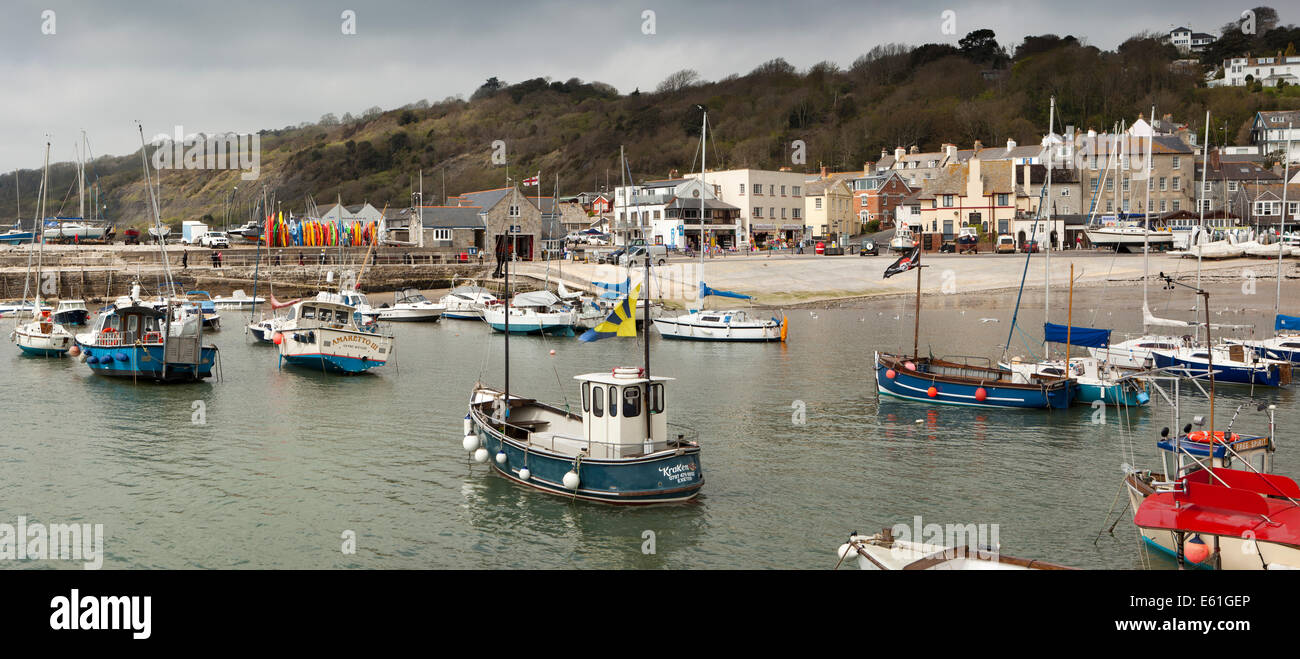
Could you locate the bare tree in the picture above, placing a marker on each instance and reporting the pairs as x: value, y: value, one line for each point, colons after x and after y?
x: 678, y: 81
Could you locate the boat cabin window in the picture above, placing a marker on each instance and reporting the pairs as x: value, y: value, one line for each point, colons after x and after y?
x: 1157, y: 346
x: 598, y: 401
x: 307, y: 313
x: 710, y: 319
x: 631, y: 401
x: 1291, y: 344
x: 133, y: 324
x: 114, y: 322
x: 1053, y: 371
x: 656, y: 403
x: 586, y: 396
x: 613, y: 401
x: 326, y: 316
x: 1201, y: 355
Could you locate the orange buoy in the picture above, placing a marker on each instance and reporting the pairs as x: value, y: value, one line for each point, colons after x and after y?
x: 891, y: 374
x: 1204, y: 436
x: 932, y: 392
x: 277, y: 339
x: 1195, y: 550
x: 980, y: 394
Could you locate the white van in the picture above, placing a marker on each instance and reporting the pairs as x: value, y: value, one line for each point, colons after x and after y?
x: 636, y: 255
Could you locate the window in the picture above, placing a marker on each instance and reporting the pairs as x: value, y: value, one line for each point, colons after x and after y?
x: 1232, y: 186
x: 742, y: 189
x: 1178, y: 185
x: 1162, y: 205
x: 783, y: 191
x: 796, y: 213
x: 1065, y: 192
x: 818, y: 203
x: 442, y: 234
x: 783, y: 213
x: 758, y: 189
x: 1110, y: 205
x: 631, y: 402
x: 1002, y: 199
x: 1164, y: 185
x: 1124, y: 184
x: 1094, y: 184
x: 326, y: 315
x: 613, y: 401
x: 771, y: 212
x: 947, y: 201
x: 1178, y: 163
x: 586, y: 396
x: 1174, y: 205
x: 758, y: 211
x: 514, y: 211
x: 795, y: 191
x: 656, y: 402
x: 1110, y: 185
x: 598, y: 401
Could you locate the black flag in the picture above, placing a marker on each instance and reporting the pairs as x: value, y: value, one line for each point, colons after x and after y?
x: 905, y: 262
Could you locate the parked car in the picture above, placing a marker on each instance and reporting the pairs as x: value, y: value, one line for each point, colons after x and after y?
x: 603, y: 257
x: 636, y: 255
x: 1006, y: 245
x: 869, y: 248
x: 948, y: 247
x: 597, y: 239
x: 131, y: 236
x: 213, y: 239
x: 1030, y: 247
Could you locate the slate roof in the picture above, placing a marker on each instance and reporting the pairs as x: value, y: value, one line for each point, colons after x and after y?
x: 452, y: 217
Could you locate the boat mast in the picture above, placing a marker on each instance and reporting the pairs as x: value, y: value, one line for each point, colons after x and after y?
x: 1281, y: 231
x: 157, y: 220
x: 704, y: 152
x: 1205, y: 150
x: 40, y: 248
x: 1146, y: 216
x: 509, y: 240
x: 1047, y: 253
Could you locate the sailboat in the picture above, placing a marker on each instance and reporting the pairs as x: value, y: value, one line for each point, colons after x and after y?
x: 618, y: 449
x: 410, y: 305
x: 42, y: 336
x: 719, y: 325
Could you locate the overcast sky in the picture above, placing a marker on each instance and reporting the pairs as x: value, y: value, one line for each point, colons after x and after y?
x: 235, y: 65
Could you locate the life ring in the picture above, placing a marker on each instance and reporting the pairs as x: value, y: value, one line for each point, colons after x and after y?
x: 1203, y: 437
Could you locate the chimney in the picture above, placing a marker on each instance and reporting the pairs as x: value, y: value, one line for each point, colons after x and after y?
x: 823, y: 171
x: 884, y: 154
x: 672, y: 173
x: 866, y: 169
x: 914, y: 149
x: 978, y: 145
x: 1011, y: 144
x: 899, y: 152
x: 949, y: 150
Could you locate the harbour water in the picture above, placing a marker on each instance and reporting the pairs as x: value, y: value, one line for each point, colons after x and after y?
x: 268, y: 468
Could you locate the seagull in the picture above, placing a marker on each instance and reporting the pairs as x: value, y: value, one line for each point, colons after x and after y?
x: 812, y: 314
x: 989, y: 320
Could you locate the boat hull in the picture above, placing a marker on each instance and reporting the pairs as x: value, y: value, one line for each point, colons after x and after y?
x: 334, y: 350
x: 916, y: 385
x: 1268, y: 375
x: 663, y: 477
x: 1109, y: 394
x: 146, y: 362
x: 748, y: 332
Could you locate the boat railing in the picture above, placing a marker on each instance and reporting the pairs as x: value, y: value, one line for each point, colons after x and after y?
x: 680, y: 436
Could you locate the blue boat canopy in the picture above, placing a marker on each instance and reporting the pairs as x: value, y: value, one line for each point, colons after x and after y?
x: 705, y: 291
x: 1286, y: 323
x: 1078, y: 336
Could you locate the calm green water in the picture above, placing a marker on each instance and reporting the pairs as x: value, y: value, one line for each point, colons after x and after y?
x: 288, y: 460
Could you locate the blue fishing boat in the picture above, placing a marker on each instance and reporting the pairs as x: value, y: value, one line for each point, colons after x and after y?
x: 618, y: 448
x: 950, y: 383
x: 601, y: 454
x: 135, y: 340
x: 1095, y: 380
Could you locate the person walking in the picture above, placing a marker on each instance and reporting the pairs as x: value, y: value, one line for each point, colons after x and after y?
x: 322, y: 257
x: 214, y: 260
x: 185, y: 260
x: 301, y: 262
x: 218, y: 255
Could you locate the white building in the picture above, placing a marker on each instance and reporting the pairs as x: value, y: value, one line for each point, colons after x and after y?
x: 1272, y: 130
x: 1267, y: 70
x: 1187, y: 41
x: 771, y: 202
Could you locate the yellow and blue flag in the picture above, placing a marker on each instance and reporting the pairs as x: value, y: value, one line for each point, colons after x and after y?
x: 621, y: 321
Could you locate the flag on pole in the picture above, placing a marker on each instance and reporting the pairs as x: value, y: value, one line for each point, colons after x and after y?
x: 905, y: 262
x: 621, y: 321
x: 532, y: 180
